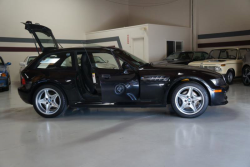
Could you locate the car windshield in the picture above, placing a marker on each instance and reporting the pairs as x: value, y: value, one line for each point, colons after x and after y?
x: 180, y: 56
x: 135, y: 60
x: 223, y: 54
x: 173, y: 56
x: 98, y: 59
x: 1, y: 61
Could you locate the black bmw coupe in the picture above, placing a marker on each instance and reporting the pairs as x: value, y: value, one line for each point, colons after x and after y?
x: 59, y: 78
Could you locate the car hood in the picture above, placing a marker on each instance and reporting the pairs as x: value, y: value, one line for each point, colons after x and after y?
x: 179, y: 68
x: 2, y: 68
x: 212, y: 61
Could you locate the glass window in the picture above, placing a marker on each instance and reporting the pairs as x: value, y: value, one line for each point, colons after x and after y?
x: 173, y: 56
x: 104, y: 60
x: 30, y: 60
x: 243, y: 53
x: 198, y: 56
x: 1, y: 61
x: 214, y: 54
x: 135, y: 60
x: 184, y: 56
x: 46, y: 40
x: 178, y: 46
x: 56, y: 61
x: 206, y: 56
x: 228, y: 54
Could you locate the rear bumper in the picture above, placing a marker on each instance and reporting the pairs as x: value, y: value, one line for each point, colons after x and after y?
x: 25, y: 94
x: 3, y: 82
x: 219, y: 98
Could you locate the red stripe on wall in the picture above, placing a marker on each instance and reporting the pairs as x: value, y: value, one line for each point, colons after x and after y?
x: 18, y: 49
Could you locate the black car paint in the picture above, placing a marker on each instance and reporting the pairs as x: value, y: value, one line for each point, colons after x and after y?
x: 146, y: 93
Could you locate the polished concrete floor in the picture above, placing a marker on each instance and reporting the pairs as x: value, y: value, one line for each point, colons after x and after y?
x: 126, y: 137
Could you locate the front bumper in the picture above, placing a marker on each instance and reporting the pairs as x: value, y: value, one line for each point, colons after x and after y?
x: 3, y: 82
x: 219, y: 98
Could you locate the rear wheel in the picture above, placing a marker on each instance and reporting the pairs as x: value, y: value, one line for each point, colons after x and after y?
x: 229, y: 77
x: 246, y: 76
x: 189, y: 100
x: 49, y: 101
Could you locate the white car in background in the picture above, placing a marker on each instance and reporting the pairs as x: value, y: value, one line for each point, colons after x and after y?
x: 26, y: 62
x: 227, y: 61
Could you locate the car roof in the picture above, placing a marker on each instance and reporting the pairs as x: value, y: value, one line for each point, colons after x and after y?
x: 80, y: 48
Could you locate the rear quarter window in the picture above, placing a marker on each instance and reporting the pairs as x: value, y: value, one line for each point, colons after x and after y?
x: 57, y: 61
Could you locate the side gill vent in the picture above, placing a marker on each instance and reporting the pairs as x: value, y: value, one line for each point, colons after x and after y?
x: 154, y: 78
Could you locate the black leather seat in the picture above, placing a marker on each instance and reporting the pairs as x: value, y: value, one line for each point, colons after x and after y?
x: 86, y: 72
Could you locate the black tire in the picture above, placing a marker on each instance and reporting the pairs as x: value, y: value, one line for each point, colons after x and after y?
x: 198, y: 89
x: 229, y: 77
x: 246, y: 76
x: 61, y: 100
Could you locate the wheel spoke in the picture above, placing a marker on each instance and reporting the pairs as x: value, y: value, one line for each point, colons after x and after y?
x: 48, y: 108
x: 53, y: 97
x: 190, y: 92
x: 46, y: 93
x: 42, y: 101
x: 193, y: 107
x: 197, y: 98
x: 54, y: 104
x: 183, y: 106
x: 182, y: 97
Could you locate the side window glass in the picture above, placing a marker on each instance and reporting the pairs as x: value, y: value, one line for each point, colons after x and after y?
x: 243, y: 53
x: 205, y: 55
x: 190, y: 55
x: 105, y: 60
x: 56, y: 61
x: 197, y: 57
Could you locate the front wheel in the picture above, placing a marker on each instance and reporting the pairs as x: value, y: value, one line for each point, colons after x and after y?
x: 49, y: 101
x: 246, y: 76
x: 189, y: 100
x: 229, y: 77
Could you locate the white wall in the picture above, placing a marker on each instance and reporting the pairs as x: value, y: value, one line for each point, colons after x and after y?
x: 155, y: 38
x: 124, y: 34
x: 215, y: 16
x: 69, y: 19
x: 160, y: 34
x: 176, y: 13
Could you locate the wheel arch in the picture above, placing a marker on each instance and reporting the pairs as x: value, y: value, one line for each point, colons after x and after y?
x: 186, y: 79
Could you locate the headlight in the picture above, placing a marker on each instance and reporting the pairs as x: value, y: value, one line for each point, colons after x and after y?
x: 217, y: 68
x: 218, y: 81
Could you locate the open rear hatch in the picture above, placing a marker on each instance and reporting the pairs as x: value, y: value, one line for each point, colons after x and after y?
x: 43, y: 36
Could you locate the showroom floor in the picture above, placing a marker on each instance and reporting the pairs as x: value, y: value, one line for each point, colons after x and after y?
x: 126, y: 137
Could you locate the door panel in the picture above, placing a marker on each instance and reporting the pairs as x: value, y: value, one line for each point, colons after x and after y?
x: 117, y: 86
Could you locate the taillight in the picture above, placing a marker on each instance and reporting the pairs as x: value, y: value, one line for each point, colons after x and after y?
x: 23, y: 81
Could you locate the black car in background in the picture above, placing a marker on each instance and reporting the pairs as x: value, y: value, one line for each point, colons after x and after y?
x: 59, y: 78
x: 184, y: 57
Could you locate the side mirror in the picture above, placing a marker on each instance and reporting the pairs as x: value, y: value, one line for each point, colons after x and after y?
x: 8, y: 63
x: 22, y: 64
x: 126, y: 67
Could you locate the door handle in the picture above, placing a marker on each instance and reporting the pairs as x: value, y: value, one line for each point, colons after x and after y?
x: 106, y: 76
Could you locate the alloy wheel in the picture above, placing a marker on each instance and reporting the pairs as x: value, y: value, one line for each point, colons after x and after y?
x: 189, y: 100
x: 246, y: 75
x: 48, y: 101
